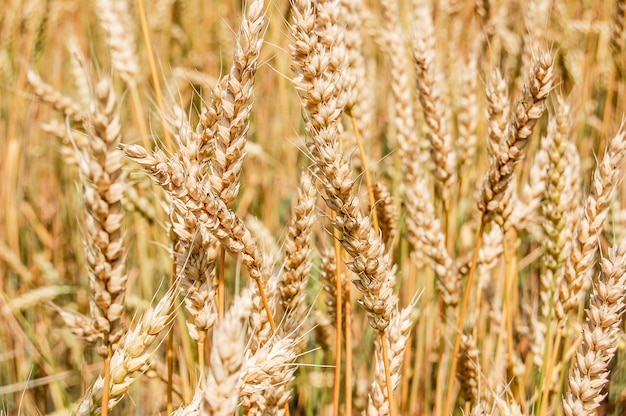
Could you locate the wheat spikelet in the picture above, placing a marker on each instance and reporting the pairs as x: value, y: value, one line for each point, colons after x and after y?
x: 591, y: 370
x: 63, y: 104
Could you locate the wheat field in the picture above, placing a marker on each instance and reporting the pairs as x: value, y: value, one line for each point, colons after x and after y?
x: 312, y: 207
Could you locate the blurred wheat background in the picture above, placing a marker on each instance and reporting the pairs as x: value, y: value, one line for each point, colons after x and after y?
x: 315, y: 207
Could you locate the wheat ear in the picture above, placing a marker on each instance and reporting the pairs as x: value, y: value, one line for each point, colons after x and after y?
x: 115, y: 19
x: 554, y: 210
x: 324, y: 105
x: 423, y: 226
x: 591, y: 370
x: 318, y: 55
x: 221, y: 392
x: 442, y: 151
x: 264, y: 376
x: 230, y: 120
x: 495, y: 200
x: 585, y: 245
x: 130, y: 358
x: 397, y: 336
x: 297, y: 264
x: 197, y: 199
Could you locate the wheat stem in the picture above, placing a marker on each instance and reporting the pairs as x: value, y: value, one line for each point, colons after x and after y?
x: 138, y: 105
x: 459, y: 329
x: 200, y: 345
x: 390, y: 396
x: 338, y: 319
x: 220, y: 284
x: 366, y: 171
x: 155, y: 79
x: 348, y: 337
x: 107, y: 383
